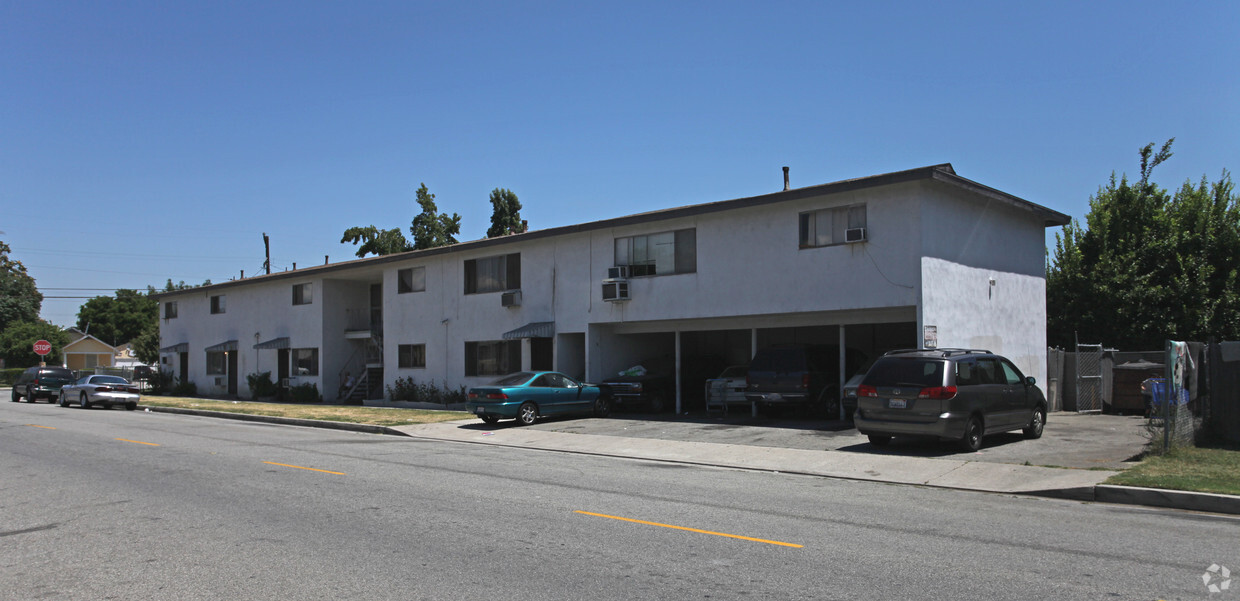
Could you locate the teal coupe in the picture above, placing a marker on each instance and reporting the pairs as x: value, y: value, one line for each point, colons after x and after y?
x: 529, y: 395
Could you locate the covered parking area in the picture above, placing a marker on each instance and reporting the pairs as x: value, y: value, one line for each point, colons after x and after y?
x: 695, y: 350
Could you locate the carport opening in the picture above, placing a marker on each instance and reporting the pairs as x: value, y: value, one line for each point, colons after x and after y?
x: 706, y: 354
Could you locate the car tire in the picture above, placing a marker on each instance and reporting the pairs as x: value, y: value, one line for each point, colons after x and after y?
x: 84, y: 401
x: 130, y: 406
x: 1036, y: 424
x: 489, y: 419
x: 602, y: 407
x: 657, y: 404
x: 971, y: 440
x: 14, y: 396
x: 879, y: 440
x: 63, y: 401
x: 29, y: 398
x: 527, y: 414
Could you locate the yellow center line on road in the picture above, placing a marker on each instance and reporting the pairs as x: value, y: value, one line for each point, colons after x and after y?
x: 149, y: 444
x: 756, y: 540
x: 304, y: 468
x: 38, y: 426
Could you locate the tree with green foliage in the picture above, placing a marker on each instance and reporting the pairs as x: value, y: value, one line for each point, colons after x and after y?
x: 432, y: 229
x: 146, y: 344
x: 170, y: 287
x: 17, y: 343
x: 1148, y: 265
x: 20, y: 299
x: 505, y: 213
x: 375, y: 241
x: 120, y: 319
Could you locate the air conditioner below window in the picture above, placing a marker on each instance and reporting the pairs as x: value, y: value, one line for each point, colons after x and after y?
x: 510, y: 299
x: 854, y: 234
x: 615, y: 290
x: 619, y: 272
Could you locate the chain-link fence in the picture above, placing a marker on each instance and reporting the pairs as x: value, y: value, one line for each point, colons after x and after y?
x: 1088, y: 378
x: 1178, y: 398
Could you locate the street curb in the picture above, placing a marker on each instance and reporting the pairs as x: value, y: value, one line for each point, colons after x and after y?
x: 1100, y: 493
x: 288, y: 421
x: 1173, y: 499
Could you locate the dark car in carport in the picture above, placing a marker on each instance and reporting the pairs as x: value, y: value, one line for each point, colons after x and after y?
x: 799, y: 375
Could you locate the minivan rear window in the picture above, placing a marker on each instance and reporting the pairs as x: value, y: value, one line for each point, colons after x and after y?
x: 910, y: 371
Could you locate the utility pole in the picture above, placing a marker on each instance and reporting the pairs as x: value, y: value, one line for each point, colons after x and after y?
x: 267, y: 250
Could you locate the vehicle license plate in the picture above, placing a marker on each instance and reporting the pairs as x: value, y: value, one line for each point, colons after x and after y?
x: 896, y: 404
x: 479, y: 411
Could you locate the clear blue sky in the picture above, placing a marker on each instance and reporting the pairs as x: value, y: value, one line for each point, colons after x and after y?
x: 141, y: 141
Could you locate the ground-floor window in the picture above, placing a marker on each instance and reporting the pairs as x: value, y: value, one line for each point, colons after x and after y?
x: 411, y: 355
x: 305, y: 361
x: 492, y: 358
x: 217, y: 363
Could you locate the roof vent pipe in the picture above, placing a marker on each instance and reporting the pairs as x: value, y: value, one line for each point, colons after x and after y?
x: 786, y: 185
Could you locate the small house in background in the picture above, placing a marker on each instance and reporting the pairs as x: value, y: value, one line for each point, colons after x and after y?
x: 125, y: 357
x: 87, y: 352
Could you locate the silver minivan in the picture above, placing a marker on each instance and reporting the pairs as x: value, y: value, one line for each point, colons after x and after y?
x: 948, y: 394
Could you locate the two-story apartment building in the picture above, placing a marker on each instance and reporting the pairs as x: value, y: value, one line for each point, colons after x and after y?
x: 898, y: 260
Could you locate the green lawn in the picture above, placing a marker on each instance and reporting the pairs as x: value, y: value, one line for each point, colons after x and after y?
x: 378, y: 416
x: 1215, y: 470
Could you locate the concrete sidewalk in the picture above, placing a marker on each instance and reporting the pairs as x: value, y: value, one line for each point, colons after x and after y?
x: 943, y: 473
x: 960, y: 472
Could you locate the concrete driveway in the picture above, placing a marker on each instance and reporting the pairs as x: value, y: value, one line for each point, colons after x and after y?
x: 1071, y: 440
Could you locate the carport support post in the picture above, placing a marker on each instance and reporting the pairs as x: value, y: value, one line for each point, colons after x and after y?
x: 753, y: 350
x: 843, y: 376
x: 678, y: 408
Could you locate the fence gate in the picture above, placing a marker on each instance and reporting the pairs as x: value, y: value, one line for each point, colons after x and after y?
x: 1088, y: 378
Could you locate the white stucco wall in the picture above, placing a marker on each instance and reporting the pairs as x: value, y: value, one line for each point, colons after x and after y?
x: 253, y: 314
x: 1008, y: 318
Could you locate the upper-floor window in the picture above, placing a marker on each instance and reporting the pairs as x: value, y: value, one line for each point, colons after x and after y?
x: 302, y: 294
x: 826, y: 227
x: 410, y: 280
x: 217, y: 304
x: 493, y: 274
x: 658, y: 254
x: 170, y: 310
x: 411, y: 355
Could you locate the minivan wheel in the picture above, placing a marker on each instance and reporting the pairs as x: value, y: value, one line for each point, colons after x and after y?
x: 972, y: 439
x: 14, y: 396
x: 879, y: 441
x: 1036, y: 424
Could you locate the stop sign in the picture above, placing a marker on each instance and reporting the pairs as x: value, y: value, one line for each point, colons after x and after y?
x: 42, y: 347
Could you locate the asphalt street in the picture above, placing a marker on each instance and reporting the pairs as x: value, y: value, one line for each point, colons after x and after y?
x: 133, y: 505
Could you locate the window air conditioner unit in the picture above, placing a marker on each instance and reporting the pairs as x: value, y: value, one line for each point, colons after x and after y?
x: 615, y: 290
x: 854, y: 234
x: 219, y: 381
x: 510, y: 299
x: 619, y: 272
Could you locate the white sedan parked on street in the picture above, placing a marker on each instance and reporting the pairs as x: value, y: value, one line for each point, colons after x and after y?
x: 100, y: 390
